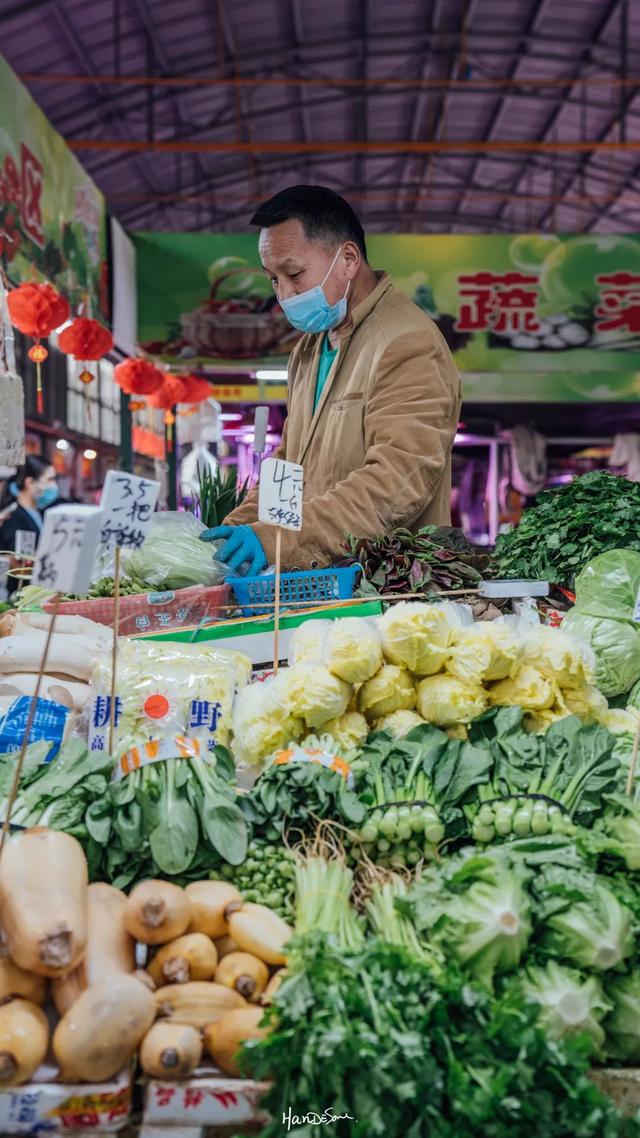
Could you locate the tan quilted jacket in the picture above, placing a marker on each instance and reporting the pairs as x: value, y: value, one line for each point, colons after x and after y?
x: 377, y: 451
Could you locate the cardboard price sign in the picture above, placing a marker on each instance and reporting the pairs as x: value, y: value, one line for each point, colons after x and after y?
x: 128, y: 503
x: 68, y: 544
x: 280, y: 497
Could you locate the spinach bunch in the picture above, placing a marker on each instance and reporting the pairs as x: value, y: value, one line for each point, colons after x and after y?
x: 567, y: 527
x: 392, y: 1051
x: 174, y: 819
x: 296, y: 797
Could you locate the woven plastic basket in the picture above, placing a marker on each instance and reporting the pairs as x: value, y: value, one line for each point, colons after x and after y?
x: 256, y: 595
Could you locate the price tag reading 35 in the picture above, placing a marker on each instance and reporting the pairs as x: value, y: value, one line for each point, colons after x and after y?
x: 280, y: 499
x: 68, y: 543
x: 128, y: 503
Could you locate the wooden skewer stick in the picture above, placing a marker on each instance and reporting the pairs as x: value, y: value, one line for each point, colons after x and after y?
x: 114, y: 650
x: 276, y: 611
x: 15, y: 786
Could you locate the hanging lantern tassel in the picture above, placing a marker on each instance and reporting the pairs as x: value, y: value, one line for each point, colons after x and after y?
x: 38, y: 354
x: 169, y: 420
x: 86, y: 377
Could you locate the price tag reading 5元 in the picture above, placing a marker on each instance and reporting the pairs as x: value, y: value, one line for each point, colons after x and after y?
x: 128, y: 503
x: 68, y: 543
x: 280, y: 498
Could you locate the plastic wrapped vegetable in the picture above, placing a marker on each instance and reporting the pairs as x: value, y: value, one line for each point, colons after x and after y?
x: 418, y: 636
x: 261, y: 726
x: 587, y: 702
x: 529, y: 688
x: 351, y: 649
x: 173, y: 556
x: 488, y: 651
x: 166, y: 689
x: 390, y: 690
x: 559, y: 656
x: 399, y: 723
x: 305, y: 646
x: 312, y: 693
x: 446, y: 701
x: 348, y: 731
x: 595, y: 933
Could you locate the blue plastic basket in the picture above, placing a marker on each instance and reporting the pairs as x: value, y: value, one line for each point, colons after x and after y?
x: 256, y: 595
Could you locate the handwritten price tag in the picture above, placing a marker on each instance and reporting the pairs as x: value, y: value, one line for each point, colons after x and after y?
x: 128, y: 503
x: 68, y: 543
x: 280, y: 497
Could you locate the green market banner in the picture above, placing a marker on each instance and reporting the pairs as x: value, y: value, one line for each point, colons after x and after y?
x: 52, y: 216
x: 530, y: 317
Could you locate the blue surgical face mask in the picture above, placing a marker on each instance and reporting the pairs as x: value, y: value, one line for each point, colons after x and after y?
x: 310, y: 311
x: 47, y: 497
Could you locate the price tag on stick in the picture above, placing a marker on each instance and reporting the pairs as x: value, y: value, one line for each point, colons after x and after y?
x: 280, y: 505
x: 128, y: 503
x: 68, y: 544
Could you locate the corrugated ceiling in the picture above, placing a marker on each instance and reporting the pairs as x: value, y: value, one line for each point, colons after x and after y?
x: 381, y: 73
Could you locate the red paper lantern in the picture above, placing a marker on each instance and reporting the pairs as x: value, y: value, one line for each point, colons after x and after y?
x: 197, y: 389
x: 172, y: 391
x: 138, y: 377
x: 37, y: 309
x: 85, y: 339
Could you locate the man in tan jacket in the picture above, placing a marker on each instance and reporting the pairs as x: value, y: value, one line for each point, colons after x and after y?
x: 374, y: 395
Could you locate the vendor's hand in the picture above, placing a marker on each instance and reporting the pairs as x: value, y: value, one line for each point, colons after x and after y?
x: 241, y: 545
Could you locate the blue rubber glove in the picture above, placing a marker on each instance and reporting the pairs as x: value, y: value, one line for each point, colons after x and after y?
x: 241, y: 545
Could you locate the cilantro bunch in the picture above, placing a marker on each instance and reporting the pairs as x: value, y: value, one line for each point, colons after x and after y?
x: 567, y: 527
x: 394, y: 1052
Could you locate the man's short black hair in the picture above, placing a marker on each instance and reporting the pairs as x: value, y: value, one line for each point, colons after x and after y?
x: 322, y: 213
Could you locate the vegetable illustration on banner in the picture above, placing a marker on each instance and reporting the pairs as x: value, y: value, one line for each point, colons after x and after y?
x: 128, y: 503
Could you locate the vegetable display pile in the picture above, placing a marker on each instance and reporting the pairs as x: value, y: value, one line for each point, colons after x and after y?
x: 414, y: 844
x: 394, y: 1050
x: 433, y: 560
x: 568, y: 527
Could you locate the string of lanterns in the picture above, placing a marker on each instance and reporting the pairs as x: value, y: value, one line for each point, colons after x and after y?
x: 37, y: 310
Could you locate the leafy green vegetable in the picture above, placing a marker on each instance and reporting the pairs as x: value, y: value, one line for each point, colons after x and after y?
x: 569, y: 1003
x: 414, y: 788
x: 582, y: 921
x: 218, y: 494
x: 623, y: 1024
x: 433, y: 560
x: 615, y: 641
x: 395, y: 1052
x: 56, y: 794
x: 540, y: 783
x: 173, y: 819
x: 296, y: 797
x: 476, y: 909
x: 566, y: 527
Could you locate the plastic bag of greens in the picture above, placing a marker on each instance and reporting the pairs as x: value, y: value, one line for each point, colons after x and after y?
x: 173, y: 557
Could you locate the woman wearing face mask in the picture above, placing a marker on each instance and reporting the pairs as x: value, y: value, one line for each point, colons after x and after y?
x: 374, y: 394
x: 33, y: 489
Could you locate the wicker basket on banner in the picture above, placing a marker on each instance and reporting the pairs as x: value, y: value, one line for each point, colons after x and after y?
x: 153, y: 612
x: 250, y: 333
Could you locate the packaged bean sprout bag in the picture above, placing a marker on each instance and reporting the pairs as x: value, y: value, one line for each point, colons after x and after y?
x: 166, y: 690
